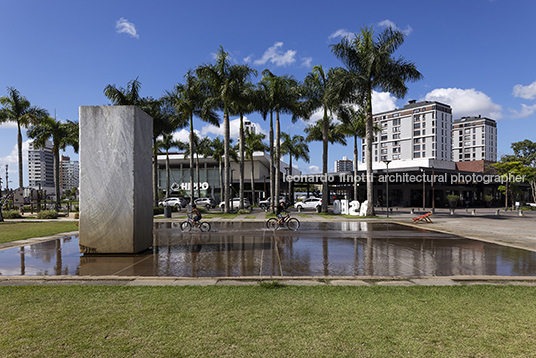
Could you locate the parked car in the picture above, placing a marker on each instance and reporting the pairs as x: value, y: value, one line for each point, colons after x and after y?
x: 265, y: 204
x: 235, y: 204
x: 171, y: 202
x: 310, y: 203
x: 205, y: 202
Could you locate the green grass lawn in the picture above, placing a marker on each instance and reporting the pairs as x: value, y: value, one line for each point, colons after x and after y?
x: 118, y: 321
x: 20, y: 230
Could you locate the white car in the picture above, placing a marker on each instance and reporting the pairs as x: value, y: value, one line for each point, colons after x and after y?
x: 235, y: 204
x: 205, y: 202
x: 264, y: 204
x: 310, y: 203
x: 171, y: 202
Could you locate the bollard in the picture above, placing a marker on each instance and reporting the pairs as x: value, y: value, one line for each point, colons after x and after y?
x: 473, y: 212
x: 451, y: 211
x: 299, y: 209
x: 412, y: 211
x: 498, y: 212
x: 432, y: 211
x: 521, y: 213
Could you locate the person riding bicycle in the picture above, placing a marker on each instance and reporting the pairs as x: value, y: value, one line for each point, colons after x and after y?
x: 197, y: 214
x: 279, y: 212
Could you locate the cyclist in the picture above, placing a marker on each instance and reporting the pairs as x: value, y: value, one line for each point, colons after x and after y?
x: 279, y: 212
x: 197, y: 214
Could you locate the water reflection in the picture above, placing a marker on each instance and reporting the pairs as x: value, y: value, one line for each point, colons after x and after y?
x: 247, y: 249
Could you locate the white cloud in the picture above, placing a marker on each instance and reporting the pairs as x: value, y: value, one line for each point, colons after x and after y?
x: 526, y: 92
x: 340, y: 33
x: 466, y: 102
x: 122, y: 26
x: 388, y: 23
x: 276, y: 56
x: 12, y: 160
x: 184, y: 135
x: 382, y: 102
x: 313, y: 169
x: 525, y: 111
x: 306, y: 62
x: 11, y: 125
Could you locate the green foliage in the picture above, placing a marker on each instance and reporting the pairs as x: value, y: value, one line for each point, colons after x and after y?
x: 11, y: 214
x: 488, y: 198
x: 244, y: 212
x: 47, y: 214
x: 452, y: 198
x: 270, y: 285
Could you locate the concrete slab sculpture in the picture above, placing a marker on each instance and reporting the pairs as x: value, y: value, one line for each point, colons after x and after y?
x: 116, y: 201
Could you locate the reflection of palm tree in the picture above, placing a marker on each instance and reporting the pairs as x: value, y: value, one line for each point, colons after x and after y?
x: 296, y: 147
x: 370, y: 65
x: 17, y: 108
x: 62, y: 135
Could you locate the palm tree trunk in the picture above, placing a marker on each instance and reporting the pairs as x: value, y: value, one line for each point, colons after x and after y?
x: 369, y: 138
x: 198, y: 176
x: 272, y: 163
x: 226, y: 167
x: 155, y: 174
x: 167, y: 174
x: 57, y: 177
x: 241, y: 195
x: 290, y: 195
x: 221, y: 181
x: 19, y: 147
x: 325, y: 141
x: 277, y: 160
x: 355, y: 167
x: 191, y: 159
x: 252, y: 182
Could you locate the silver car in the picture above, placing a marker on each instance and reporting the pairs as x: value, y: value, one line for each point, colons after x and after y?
x: 235, y: 204
x: 310, y: 203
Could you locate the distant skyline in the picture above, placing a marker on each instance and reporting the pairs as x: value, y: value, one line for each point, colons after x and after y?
x: 477, y: 56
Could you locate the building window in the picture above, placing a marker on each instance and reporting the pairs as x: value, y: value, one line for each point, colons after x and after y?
x: 383, y: 137
x: 416, y: 140
x: 396, y: 136
x: 416, y: 133
x: 416, y: 125
x: 417, y: 147
x: 417, y: 155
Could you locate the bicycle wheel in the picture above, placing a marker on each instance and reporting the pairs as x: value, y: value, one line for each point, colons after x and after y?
x: 293, y: 224
x: 272, y: 224
x: 204, y: 227
x: 186, y: 226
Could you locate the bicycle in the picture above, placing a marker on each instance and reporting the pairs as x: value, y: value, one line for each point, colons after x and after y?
x: 187, y: 225
x: 290, y: 223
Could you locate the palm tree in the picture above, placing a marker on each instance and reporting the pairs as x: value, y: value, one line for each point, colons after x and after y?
x: 129, y: 96
x: 242, y: 103
x: 217, y: 151
x: 318, y: 90
x: 354, y: 126
x: 189, y: 101
x: 253, y: 143
x: 17, y: 108
x: 221, y: 79
x: 167, y: 142
x: 296, y: 147
x: 62, y: 135
x: 370, y: 65
x: 165, y: 120
x: 278, y: 94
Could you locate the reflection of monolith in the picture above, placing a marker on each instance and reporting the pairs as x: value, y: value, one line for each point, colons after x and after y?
x: 116, y: 211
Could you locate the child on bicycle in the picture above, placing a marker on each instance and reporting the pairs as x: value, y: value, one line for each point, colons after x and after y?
x: 197, y: 214
x: 279, y: 212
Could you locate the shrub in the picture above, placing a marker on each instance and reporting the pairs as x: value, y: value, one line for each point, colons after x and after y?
x: 11, y: 214
x: 47, y: 214
x: 158, y: 210
x: 244, y: 211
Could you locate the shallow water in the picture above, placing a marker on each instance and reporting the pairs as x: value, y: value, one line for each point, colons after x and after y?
x: 249, y: 249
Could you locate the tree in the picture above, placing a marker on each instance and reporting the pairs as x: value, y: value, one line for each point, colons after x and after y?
x: 62, y: 135
x: 242, y: 103
x: 279, y: 95
x: 17, y: 108
x: 189, y: 100
x: 129, y: 96
x: 509, y: 169
x: 296, y: 147
x: 221, y: 80
x: 525, y: 153
x: 167, y: 143
x: 318, y: 90
x: 370, y: 65
x: 253, y: 143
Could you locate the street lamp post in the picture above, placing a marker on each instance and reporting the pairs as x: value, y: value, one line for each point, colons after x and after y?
x: 387, y: 183
x: 433, y: 191
x: 423, y: 190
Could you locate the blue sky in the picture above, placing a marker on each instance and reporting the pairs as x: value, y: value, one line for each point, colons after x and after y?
x: 478, y: 55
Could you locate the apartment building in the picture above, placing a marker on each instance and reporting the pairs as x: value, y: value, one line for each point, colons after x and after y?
x: 474, y: 138
x: 69, y: 173
x: 41, y: 167
x: 417, y: 135
x: 344, y: 165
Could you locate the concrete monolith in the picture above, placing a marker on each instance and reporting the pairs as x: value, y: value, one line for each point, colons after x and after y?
x: 116, y: 201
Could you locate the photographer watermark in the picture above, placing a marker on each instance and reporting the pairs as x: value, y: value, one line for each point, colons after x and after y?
x: 407, y: 178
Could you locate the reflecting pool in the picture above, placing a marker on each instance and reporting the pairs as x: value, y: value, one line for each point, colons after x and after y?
x: 249, y: 249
